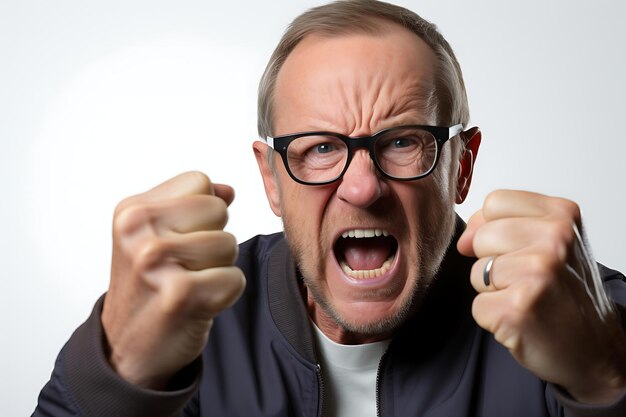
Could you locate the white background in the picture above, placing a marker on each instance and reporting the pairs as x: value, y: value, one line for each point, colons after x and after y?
x: 100, y: 100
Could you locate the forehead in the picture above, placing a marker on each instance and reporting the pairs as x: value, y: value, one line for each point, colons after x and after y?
x: 355, y: 82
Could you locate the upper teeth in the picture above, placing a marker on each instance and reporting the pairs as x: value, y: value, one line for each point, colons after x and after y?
x: 359, y: 233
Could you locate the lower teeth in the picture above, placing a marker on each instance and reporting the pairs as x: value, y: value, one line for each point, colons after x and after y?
x: 367, y: 273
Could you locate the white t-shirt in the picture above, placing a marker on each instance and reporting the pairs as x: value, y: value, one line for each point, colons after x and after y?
x: 349, y: 373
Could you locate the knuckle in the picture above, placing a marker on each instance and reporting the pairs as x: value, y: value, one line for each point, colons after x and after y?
x: 228, y: 246
x: 560, y: 237
x: 482, y: 237
x: 492, y: 201
x: 477, y: 270
x: 230, y: 285
x: 219, y: 210
x: 130, y: 218
x: 526, y: 299
x: 201, y: 181
x: 176, y: 294
x: 541, y: 278
x: 122, y: 205
x: 183, y: 294
x: 569, y: 208
x: 508, y: 333
x: 519, y: 302
x: 150, y: 254
x: 541, y: 265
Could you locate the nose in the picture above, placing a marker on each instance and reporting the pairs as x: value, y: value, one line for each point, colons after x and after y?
x: 361, y: 185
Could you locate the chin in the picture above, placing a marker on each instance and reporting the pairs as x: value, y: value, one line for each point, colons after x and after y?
x: 373, y: 320
x: 375, y: 307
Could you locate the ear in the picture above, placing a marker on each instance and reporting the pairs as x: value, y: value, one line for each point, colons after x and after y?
x: 270, y: 182
x: 472, y: 138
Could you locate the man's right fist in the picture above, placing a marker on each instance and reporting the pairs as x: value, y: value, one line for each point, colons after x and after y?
x: 171, y: 273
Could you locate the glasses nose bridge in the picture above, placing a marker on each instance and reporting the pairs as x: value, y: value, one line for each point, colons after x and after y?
x: 354, y: 143
x: 360, y: 142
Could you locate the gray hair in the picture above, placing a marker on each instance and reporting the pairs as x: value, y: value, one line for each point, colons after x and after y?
x: 449, y: 103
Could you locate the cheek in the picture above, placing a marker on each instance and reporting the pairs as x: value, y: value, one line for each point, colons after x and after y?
x: 419, y: 201
x: 429, y: 209
x: 303, y: 209
x: 306, y: 232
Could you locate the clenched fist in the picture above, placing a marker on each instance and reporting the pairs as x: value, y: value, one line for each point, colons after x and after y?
x: 537, y: 297
x: 172, y: 272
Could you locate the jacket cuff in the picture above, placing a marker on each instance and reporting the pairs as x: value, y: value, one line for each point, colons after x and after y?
x: 99, y: 391
x: 575, y: 409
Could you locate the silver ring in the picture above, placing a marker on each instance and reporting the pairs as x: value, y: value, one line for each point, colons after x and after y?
x: 487, y: 271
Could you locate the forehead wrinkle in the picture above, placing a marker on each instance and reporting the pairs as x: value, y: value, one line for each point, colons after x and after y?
x: 373, y: 102
x: 347, y: 113
x: 412, y: 100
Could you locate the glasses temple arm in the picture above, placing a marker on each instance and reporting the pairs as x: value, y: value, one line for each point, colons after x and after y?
x: 455, y: 130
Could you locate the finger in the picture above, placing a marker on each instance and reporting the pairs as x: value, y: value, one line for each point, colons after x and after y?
x: 502, y: 204
x: 465, y: 242
x: 201, y: 250
x: 162, y: 218
x: 493, y: 312
x: 507, y: 235
x: 188, y: 183
x: 189, y: 214
x: 481, y: 279
x: 220, y: 288
x: 203, y: 293
x: 193, y: 251
x: 510, y: 269
x: 512, y: 203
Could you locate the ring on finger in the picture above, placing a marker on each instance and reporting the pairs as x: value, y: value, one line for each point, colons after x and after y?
x: 487, y: 272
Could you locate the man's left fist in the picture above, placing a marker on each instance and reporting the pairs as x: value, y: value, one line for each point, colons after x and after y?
x: 535, y: 299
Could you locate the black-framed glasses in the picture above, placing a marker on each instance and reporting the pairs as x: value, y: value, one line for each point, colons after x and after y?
x: 402, y: 153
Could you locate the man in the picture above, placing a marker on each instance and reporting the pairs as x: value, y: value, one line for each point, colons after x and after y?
x: 377, y: 300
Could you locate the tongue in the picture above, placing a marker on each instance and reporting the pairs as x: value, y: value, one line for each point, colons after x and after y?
x: 366, y: 254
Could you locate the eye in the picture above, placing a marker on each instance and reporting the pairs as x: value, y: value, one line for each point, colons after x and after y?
x: 402, y: 142
x: 324, y: 148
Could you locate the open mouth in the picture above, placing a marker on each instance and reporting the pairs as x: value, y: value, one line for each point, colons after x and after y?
x: 365, y: 253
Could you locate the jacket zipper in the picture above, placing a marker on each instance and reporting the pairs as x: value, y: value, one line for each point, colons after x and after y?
x: 320, y: 389
x: 379, y: 378
x: 320, y: 384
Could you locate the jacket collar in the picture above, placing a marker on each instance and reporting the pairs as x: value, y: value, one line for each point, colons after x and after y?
x: 285, y: 301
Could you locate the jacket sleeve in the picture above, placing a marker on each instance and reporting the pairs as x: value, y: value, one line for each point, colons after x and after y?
x: 84, y: 384
x: 615, y: 285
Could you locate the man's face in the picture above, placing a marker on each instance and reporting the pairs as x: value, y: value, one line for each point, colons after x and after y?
x: 358, y: 85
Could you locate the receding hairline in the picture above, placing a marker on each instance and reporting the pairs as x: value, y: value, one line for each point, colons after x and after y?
x: 372, y: 25
x: 424, y: 90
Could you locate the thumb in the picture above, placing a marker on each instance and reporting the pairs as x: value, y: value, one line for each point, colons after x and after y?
x: 225, y: 192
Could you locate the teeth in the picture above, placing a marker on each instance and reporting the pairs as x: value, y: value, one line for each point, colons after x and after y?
x: 361, y: 233
x: 366, y: 274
